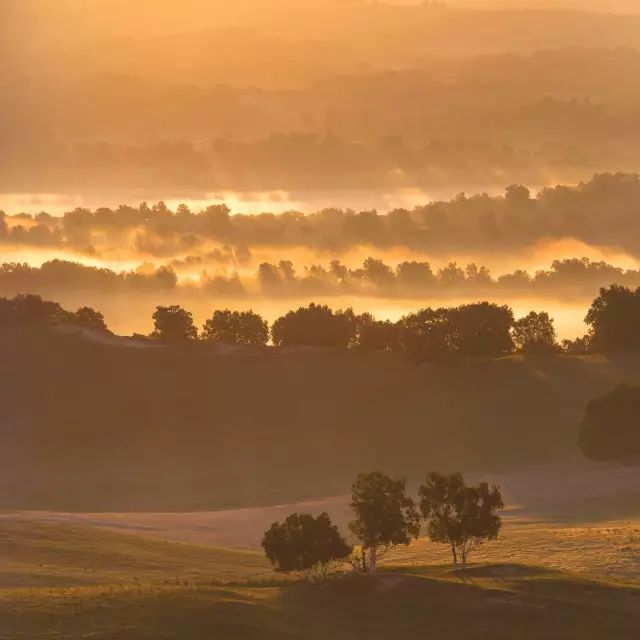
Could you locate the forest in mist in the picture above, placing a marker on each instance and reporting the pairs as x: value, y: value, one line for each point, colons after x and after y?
x: 313, y: 95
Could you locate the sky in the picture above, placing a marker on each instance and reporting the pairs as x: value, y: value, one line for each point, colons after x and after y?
x: 272, y: 107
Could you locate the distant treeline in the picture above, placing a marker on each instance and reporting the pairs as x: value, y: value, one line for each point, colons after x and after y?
x: 479, y: 330
x: 599, y: 213
x: 570, y: 277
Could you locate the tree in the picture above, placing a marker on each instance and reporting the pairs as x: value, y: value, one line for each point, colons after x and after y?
x: 428, y: 334
x: 30, y: 308
x: 578, y: 347
x: 89, y: 318
x: 384, y: 515
x: 236, y: 327
x: 614, y: 318
x: 610, y: 429
x: 173, y: 324
x: 304, y: 543
x: 479, y: 330
x: 460, y: 515
x: 535, y: 333
x: 482, y: 330
x: 375, y: 335
x: 315, y: 325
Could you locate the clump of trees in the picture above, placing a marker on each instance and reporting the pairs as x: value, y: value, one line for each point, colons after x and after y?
x: 610, y: 429
x: 25, y: 309
x: 315, y: 325
x: 236, y: 327
x: 385, y: 516
x: 459, y: 515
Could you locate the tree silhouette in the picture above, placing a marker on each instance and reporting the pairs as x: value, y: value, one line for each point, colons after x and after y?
x: 535, y: 333
x: 482, y: 330
x: 375, y: 335
x: 236, y: 327
x: 89, y: 318
x: 614, y: 318
x: 460, y: 515
x: 303, y: 543
x: 173, y: 324
x: 384, y: 515
x: 315, y: 325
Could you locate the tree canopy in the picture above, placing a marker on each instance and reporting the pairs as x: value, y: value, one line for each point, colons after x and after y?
x: 315, y: 325
x: 535, y: 333
x: 303, y: 542
x: 236, y: 327
x: 384, y: 515
x: 614, y: 318
x: 460, y: 515
x: 173, y: 324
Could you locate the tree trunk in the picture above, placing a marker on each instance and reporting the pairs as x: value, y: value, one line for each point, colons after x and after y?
x: 364, y: 560
x: 455, y: 554
x: 372, y: 559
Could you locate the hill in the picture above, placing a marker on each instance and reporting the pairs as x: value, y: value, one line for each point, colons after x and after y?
x: 538, y: 604
x: 408, y: 601
x: 43, y: 554
x: 72, y: 581
x: 95, y: 425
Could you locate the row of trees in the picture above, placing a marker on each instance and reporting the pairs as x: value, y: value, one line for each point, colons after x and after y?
x: 385, y: 516
x: 473, y: 330
x: 218, y: 276
x: 482, y: 330
x: 480, y: 222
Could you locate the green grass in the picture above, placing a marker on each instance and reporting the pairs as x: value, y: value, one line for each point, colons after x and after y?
x: 72, y: 582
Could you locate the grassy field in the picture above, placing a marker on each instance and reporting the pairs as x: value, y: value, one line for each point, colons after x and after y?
x: 71, y: 581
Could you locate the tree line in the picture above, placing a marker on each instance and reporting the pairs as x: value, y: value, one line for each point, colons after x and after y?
x: 478, y: 330
x: 385, y: 516
x: 466, y: 224
x: 573, y: 276
x: 483, y: 329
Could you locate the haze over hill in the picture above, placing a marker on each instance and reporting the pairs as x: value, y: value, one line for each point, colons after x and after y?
x: 175, y: 428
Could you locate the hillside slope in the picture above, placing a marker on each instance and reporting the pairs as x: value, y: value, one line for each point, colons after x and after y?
x: 102, y: 425
x: 44, y: 554
x: 500, y: 602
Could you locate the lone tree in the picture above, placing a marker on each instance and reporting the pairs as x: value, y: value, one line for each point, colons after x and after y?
x: 304, y: 543
x: 610, y: 429
x: 459, y: 515
x: 173, y: 324
x: 385, y: 515
x: 236, y: 327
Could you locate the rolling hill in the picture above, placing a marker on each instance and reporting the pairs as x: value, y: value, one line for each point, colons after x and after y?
x: 108, y: 587
x: 115, y: 424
